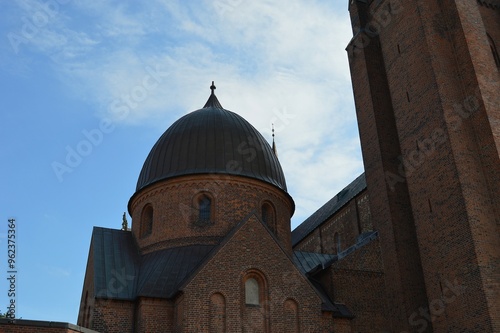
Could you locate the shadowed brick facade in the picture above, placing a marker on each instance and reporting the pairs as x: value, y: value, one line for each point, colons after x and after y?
x: 426, y: 84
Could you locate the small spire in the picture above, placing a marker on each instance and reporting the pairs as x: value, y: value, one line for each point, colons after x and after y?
x: 124, y: 222
x: 275, y: 150
x: 213, y: 102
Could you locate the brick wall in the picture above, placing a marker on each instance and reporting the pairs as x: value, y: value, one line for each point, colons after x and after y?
x: 390, y: 205
x: 251, y: 251
x: 362, y: 267
x: 344, y: 226
x: 113, y: 316
x: 234, y: 198
x: 87, y: 300
x: 364, y: 213
x: 154, y: 315
x: 426, y: 91
x: 341, y: 326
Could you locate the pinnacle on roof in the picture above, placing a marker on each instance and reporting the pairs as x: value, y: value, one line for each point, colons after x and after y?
x: 275, y: 149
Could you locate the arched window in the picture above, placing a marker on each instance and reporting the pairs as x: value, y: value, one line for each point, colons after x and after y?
x: 147, y: 221
x: 252, y: 292
x: 494, y: 50
x: 204, y: 205
x: 204, y: 208
x: 269, y: 216
x: 337, y: 241
x: 256, y: 302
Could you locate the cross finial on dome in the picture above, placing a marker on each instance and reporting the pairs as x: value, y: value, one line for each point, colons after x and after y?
x: 212, y: 100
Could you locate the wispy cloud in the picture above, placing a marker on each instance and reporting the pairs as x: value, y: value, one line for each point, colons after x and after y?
x: 57, y: 272
x: 268, y: 58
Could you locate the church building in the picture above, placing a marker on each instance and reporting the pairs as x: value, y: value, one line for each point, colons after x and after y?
x: 210, y: 248
x: 410, y: 245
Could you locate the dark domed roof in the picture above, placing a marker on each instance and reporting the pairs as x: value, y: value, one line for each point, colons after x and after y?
x: 211, y: 140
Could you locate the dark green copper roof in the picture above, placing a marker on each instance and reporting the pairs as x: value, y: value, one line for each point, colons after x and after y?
x: 211, y: 140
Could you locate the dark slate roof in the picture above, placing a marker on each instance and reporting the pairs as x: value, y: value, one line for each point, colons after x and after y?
x: 328, y: 209
x: 121, y: 273
x: 163, y: 271
x: 211, y: 140
x: 116, y: 263
x: 309, y: 262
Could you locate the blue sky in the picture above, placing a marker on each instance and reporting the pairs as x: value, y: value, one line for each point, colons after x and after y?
x: 87, y: 87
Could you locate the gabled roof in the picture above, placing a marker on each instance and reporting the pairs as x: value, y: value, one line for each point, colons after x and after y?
x: 120, y: 272
x: 227, y: 238
x: 328, y: 209
x: 303, y: 261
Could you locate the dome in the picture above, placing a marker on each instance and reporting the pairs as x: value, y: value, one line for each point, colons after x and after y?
x: 211, y: 140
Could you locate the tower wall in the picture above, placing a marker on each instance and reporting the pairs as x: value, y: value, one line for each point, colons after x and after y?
x: 391, y: 211
x: 426, y: 89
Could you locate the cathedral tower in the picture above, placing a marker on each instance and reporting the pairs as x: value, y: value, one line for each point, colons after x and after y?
x: 426, y: 85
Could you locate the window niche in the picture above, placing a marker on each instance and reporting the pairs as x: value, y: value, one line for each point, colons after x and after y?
x: 269, y: 215
x: 255, y: 302
x: 217, y: 313
x: 254, y: 288
x: 204, y: 209
x: 252, y: 292
x: 146, y: 221
x: 337, y: 242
